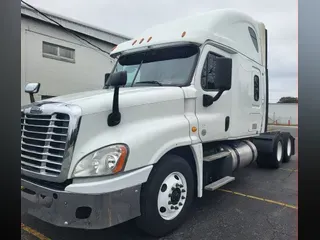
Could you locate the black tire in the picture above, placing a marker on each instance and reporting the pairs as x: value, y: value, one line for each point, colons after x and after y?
x: 287, y: 149
x: 150, y: 220
x: 271, y: 160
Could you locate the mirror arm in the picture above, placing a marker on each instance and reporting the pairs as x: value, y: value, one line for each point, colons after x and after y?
x: 208, y: 99
x: 114, y: 118
x: 31, y: 97
x: 116, y: 80
x: 217, y: 96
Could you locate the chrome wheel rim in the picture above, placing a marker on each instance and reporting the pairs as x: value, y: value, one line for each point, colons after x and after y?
x: 279, y: 151
x: 289, y: 147
x: 172, y: 196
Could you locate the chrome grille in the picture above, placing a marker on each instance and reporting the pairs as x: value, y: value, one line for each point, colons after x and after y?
x: 44, y: 139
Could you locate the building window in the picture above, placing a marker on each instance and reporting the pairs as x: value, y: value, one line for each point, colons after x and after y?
x: 254, y: 38
x: 43, y: 97
x: 57, y: 52
x: 208, y: 75
x: 256, y: 88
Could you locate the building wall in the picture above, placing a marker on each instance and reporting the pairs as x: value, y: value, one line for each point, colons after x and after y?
x: 60, y: 77
x: 283, y: 112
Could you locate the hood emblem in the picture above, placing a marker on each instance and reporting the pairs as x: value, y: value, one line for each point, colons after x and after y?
x: 35, y: 110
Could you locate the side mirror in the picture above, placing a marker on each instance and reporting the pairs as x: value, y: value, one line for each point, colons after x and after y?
x: 32, y: 88
x: 222, y: 68
x: 223, y: 73
x: 106, y: 77
x: 116, y: 80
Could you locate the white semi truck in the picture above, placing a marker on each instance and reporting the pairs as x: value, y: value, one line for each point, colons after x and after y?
x: 185, y: 106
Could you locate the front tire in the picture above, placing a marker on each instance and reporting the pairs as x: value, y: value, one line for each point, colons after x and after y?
x: 167, y: 196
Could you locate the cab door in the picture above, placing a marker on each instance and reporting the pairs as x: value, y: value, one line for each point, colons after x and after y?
x: 214, y: 120
x: 257, y: 101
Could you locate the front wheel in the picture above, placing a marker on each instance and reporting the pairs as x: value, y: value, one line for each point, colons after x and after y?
x: 167, y: 196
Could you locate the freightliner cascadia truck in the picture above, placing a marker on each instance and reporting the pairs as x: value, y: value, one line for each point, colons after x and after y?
x: 185, y: 106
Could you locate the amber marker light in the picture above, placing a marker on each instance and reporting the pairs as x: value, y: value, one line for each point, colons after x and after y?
x: 122, y: 160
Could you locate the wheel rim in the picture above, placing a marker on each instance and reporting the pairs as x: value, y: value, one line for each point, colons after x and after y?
x: 279, y: 151
x: 172, y: 196
x: 289, y: 147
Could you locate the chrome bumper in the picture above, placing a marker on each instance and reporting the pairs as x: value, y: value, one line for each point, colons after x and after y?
x: 76, y: 210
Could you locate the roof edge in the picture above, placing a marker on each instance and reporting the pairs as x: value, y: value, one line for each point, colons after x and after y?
x: 74, y: 25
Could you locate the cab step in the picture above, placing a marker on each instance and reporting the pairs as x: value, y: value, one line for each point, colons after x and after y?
x: 216, y: 156
x: 215, y: 185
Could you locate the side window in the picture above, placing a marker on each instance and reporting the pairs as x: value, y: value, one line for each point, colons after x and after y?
x: 256, y: 88
x: 57, y: 52
x: 253, y: 38
x: 208, y: 72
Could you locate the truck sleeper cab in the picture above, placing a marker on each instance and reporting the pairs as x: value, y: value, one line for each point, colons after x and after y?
x: 185, y: 106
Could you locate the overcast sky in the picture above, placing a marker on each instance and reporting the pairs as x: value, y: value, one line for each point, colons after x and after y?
x: 131, y: 17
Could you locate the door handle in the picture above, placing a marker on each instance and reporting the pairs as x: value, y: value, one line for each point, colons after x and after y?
x: 227, y: 123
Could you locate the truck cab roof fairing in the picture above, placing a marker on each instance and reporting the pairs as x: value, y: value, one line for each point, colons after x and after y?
x: 226, y: 26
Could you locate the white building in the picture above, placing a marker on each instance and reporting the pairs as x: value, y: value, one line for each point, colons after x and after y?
x: 282, y: 113
x: 59, y: 60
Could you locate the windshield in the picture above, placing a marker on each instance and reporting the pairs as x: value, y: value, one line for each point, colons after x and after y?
x: 171, y: 66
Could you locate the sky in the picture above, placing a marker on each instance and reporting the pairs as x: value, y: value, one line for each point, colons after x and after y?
x: 131, y: 17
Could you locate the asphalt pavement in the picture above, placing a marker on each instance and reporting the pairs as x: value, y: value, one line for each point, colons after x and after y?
x: 259, y: 204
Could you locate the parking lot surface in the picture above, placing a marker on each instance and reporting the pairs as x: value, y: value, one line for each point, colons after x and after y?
x: 259, y: 204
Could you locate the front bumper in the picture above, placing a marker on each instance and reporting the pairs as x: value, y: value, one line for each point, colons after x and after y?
x: 77, y: 210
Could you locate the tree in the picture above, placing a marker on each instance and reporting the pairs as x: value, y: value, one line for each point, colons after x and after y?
x: 288, y: 100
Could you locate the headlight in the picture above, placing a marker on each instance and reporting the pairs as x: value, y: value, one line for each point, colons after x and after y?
x: 104, y: 161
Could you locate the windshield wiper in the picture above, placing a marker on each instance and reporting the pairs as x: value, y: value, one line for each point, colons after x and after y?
x: 153, y: 82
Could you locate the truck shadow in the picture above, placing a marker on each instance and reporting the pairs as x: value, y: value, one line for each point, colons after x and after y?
x: 125, y: 231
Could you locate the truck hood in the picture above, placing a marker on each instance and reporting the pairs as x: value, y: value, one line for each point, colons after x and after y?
x: 101, y: 100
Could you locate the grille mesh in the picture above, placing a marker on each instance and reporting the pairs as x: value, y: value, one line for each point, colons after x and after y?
x: 43, y: 142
